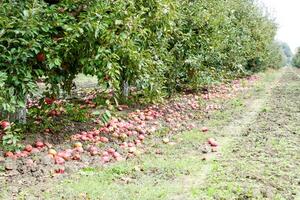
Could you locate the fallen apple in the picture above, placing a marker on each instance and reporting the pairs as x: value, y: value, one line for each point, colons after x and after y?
x: 39, y: 144
x: 8, y: 154
x: 111, y: 150
x: 76, y: 156
x: 28, y: 148
x: 105, y: 159
x: 79, y: 149
x: 78, y: 144
x: 59, y: 160
x: 141, y: 137
x: 166, y: 140
x: 204, y: 129
x: 212, y: 142
x: 116, y: 155
x: 52, y: 152
x: 104, y: 139
x: 5, y: 124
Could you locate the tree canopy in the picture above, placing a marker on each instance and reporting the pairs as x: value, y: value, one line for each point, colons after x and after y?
x: 296, y: 59
x: 156, y: 46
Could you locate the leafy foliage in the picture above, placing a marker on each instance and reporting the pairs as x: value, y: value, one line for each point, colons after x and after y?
x: 287, y: 52
x: 106, y: 116
x: 10, y: 141
x: 296, y: 59
x: 155, y: 46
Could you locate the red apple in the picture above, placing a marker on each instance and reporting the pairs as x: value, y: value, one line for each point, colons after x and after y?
x: 212, y: 142
x: 40, y: 57
x: 35, y: 150
x: 59, y: 171
x: 78, y: 149
x: 39, y: 144
x: 9, y: 154
x: 28, y: 148
x: 5, y: 124
x: 76, y: 156
x: 204, y: 129
x: 130, y: 144
x: 49, y: 101
x: 116, y: 155
x: 105, y: 159
x: 141, y: 137
x: 103, y: 139
x: 84, y: 138
x: 105, y: 153
x: 111, y: 150
x: 59, y: 160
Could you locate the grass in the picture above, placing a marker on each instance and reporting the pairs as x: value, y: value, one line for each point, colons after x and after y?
x: 148, y: 177
x: 84, y: 81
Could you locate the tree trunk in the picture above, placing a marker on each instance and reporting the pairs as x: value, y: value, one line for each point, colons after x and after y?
x: 19, y: 116
x: 125, y: 89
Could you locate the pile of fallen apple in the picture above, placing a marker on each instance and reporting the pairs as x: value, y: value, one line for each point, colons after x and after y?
x: 126, y: 135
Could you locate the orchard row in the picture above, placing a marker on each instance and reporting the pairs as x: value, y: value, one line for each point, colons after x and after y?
x: 146, y: 49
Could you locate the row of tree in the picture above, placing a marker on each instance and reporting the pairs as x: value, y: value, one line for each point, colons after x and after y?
x: 156, y: 46
x: 296, y: 59
x: 289, y: 57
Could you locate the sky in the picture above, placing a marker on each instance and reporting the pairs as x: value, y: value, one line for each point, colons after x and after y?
x: 287, y: 16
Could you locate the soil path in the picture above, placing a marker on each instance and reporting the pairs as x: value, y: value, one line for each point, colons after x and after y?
x: 261, y: 154
x: 230, y: 133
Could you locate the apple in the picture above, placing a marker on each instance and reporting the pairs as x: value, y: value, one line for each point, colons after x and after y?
x: 96, y: 132
x: 84, y: 138
x: 212, y: 142
x: 130, y: 144
x: 39, y: 144
x: 116, y: 155
x: 35, y: 150
x: 103, y: 139
x: 40, y: 57
x: 76, y: 156
x: 105, y: 159
x: 59, y: 171
x: 5, y: 124
x: 111, y: 150
x: 105, y: 153
x: 9, y: 154
x: 204, y: 129
x: 166, y: 140
x: 115, y: 135
x: 141, y: 137
x: 24, y: 153
x: 78, y: 144
x: 79, y: 149
x: 64, y: 155
x: 49, y: 101
x: 28, y: 148
x: 52, y: 152
x: 59, y: 160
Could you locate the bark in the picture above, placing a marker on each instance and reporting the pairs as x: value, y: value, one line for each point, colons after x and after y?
x: 19, y: 116
x: 125, y: 89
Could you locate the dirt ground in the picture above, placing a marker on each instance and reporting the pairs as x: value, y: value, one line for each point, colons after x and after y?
x: 262, y: 160
x: 258, y: 157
